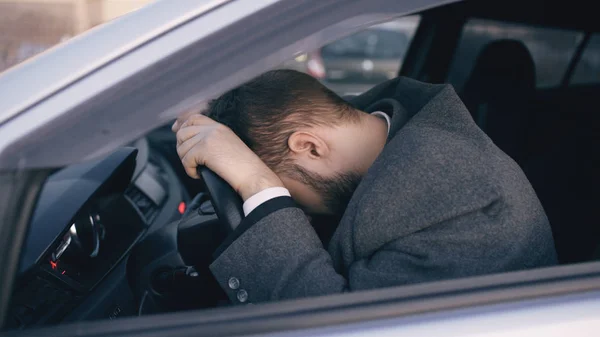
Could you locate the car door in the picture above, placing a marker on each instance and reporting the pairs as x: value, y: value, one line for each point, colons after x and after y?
x: 206, y: 49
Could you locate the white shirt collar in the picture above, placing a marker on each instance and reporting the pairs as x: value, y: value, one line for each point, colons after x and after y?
x: 386, y: 117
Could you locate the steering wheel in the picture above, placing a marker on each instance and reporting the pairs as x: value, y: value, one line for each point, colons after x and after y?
x: 166, y: 260
x: 226, y: 202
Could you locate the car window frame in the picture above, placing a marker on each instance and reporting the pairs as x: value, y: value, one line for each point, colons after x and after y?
x: 442, y: 302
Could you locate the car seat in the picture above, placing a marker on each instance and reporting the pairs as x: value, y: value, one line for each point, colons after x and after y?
x: 565, y: 176
x: 499, y: 94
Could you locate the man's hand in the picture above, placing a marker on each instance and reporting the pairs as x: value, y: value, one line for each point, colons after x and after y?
x: 196, y: 110
x: 204, y: 142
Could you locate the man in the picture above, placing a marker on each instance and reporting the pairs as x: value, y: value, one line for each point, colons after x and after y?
x: 425, y: 195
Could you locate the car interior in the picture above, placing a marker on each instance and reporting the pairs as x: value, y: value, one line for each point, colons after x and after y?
x: 134, y: 235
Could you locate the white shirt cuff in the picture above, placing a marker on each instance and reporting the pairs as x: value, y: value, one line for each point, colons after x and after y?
x: 263, y: 196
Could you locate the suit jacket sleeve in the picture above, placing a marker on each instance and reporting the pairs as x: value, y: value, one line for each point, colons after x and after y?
x: 281, y: 257
x: 278, y: 256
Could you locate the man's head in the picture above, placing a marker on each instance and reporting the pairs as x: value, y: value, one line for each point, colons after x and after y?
x: 310, y: 137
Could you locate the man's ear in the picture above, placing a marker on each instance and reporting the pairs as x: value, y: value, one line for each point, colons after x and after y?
x: 308, y: 144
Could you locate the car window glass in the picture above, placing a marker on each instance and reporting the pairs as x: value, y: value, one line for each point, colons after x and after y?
x: 354, y: 64
x: 30, y: 27
x: 370, y: 43
x: 587, y: 70
x: 551, y: 49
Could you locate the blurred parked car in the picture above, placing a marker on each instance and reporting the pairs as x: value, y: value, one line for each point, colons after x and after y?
x: 354, y: 64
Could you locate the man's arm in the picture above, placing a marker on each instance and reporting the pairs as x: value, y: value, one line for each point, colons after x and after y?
x: 278, y: 257
x: 274, y: 253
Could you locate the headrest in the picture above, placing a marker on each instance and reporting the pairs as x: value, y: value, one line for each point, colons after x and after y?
x: 502, y: 65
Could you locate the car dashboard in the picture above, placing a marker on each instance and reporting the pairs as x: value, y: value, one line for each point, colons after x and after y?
x: 87, y: 219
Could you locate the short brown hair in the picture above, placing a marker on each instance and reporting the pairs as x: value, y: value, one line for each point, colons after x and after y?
x: 267, y: 110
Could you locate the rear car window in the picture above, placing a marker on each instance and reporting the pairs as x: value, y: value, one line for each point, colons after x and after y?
x: 354, y: 64
x: 551, y: 49
x: 587, y: 70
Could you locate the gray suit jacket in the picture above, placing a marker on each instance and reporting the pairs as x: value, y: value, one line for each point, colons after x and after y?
x: 441, y: 201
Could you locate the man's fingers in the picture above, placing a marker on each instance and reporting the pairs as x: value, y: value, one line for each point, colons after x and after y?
x: 189, y: 132
x: 197, y: 138
x: 186, y: 146
x: 197, y: 120
x: 200, y: 108
x: 175, y: 127
x: 190, y: 163
x: 182, y: 122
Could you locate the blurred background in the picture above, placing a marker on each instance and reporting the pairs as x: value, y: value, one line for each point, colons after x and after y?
x: 349, y: 66
x: 28, y: 27
x: 354, y: 64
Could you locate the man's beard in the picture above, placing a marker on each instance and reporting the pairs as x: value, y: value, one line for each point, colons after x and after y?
x: 335, y: 192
